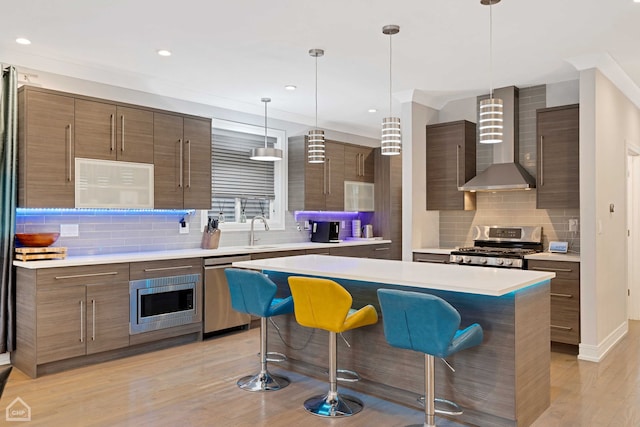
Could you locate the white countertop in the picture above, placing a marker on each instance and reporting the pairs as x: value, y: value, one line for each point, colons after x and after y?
x: 74, y: 261
x: 446, y: 277
x: 441, y: 251
x: 551, y: 256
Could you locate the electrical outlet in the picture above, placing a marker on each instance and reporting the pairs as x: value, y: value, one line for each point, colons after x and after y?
x: 343, y: 224
x: 69, y: 230
x: 183, y: 227
x: 573, y: 224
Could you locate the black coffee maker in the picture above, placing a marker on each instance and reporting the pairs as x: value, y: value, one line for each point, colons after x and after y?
x: 325, y: 231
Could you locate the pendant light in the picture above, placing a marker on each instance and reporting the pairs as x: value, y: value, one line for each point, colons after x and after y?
x: 491, y: 109
x: 316, y: 136
x: 391, y: 134
x: 266, y: 154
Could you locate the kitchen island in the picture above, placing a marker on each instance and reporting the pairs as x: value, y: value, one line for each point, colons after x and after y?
x: 503, y: 382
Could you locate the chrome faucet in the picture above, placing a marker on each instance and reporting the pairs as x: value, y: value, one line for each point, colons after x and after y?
x: 252, y: 239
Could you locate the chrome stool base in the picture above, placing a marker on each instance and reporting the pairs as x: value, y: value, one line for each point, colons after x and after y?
x: 263, y: 382
x: 341, y: 405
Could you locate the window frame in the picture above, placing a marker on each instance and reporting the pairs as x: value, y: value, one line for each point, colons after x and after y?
x: 280, y: 176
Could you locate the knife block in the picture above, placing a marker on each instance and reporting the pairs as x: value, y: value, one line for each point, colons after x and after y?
x: 210, y: 240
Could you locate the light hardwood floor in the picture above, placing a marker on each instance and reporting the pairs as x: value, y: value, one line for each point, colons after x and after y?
x: 194, y: 385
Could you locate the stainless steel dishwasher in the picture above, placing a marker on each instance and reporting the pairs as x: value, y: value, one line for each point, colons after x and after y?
x: 218, y: 314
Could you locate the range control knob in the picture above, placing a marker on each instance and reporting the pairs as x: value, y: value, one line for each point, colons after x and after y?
x: 482, y: 260
x: 467, y: 259
x: 508, y: 262
x: 458, y: 259
x: 499, y: 261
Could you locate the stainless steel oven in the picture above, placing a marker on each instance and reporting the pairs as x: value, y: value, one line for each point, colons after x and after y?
x: 163, y: 302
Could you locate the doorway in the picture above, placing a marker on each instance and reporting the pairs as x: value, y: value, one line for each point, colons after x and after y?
x: 633, y: 231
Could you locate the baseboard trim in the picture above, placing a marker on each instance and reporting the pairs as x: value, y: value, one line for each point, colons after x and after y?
x: 597, y: 353
x: 5, y: 358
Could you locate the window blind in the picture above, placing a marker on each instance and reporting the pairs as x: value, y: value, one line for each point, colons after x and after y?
x: 234, y: 174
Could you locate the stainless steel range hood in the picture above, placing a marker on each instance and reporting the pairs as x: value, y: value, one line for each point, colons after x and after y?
x: 505, y: 174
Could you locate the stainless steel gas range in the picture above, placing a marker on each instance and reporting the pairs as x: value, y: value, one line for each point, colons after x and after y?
x: 498, y: 246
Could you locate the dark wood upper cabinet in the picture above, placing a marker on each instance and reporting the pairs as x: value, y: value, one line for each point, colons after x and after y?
x: 558, y: 169
x: 182, y: 162
x: 107, y: 131
x: 316, y: 186
x: 358, y: 163
x: 46, y: 168
x: 451, y: 161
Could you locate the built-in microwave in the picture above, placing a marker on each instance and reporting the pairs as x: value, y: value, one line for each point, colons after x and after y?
x: 163, y: 302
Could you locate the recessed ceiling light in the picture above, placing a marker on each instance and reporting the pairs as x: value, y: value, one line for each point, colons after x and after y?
x: 290, y: 87
x: 164, y: 52
x: 22, y: 40
x: 372, y: 110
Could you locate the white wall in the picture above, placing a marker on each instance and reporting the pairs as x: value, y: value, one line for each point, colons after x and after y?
x: 607, y: 120
x: 420, y: 228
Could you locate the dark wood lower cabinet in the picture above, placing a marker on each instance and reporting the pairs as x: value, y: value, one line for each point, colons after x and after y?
x: 565, y: 299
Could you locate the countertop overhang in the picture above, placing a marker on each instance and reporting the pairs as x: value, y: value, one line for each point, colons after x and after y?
x: 74, y: 261
x: 446, y: 277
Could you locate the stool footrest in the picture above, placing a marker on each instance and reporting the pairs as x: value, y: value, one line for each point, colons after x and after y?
x: 274, y: 356
x: 347, y: 376
x: 454, y: 407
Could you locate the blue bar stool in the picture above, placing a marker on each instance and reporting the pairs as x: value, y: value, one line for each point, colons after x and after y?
x: 324, y: 304
x: 428, y: 324
x: 253, y: 293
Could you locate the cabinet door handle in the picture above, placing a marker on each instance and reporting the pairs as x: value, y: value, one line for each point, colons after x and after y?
x: 93, y: 320
x: 382, y: 249
x: 181, y: 267
x: 553, y: 294
x: 564, y: 328
x: 188, y: 142
x: 122, y: 132
x: 181, y: 161
x: 69, y: 146
x: 113, y: 132
x: 329, y: 173
x: 432, y: 261
x: 541, y: 160
x: 81, y: 321
x: 75, y: 276
x: 324, y: 178
x: 457, y: 166
x: 555, y: 270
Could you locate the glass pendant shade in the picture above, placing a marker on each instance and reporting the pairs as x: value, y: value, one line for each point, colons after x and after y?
x: 491, y: 121
x: 315, y: 146
x: 266, y: 153
x: 391, y: 136
x: 391, y: 141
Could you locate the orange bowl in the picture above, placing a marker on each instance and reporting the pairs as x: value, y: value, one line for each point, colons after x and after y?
x: 37, y: 240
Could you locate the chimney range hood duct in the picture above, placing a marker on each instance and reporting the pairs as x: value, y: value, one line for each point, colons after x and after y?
x: 505, y: 174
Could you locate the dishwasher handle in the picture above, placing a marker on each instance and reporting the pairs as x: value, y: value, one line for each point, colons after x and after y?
x: 224, y: 261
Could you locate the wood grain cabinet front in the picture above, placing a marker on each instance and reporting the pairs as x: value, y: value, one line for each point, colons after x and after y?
x: 565, y: 299
x: 108, y: 131
x: 358, y: 163
x: 451, y: 161
x: 46, y: 169
x: 316, y: 186
x: 67, y: 312
x: 182, y: 162
x: 558, y: 153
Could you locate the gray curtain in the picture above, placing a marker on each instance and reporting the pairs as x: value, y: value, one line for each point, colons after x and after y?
x: 8, y: 184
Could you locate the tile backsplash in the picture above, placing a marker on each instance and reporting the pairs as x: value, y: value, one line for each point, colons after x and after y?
x: 105, y: 232
x: 508, y: 208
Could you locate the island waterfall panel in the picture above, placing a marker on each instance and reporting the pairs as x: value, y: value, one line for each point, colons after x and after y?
x: 503, y: 382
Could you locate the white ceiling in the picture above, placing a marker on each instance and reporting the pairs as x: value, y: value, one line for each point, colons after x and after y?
x: 232, y: 53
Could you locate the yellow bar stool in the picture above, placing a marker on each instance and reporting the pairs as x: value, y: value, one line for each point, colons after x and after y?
x: 324, y: 304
